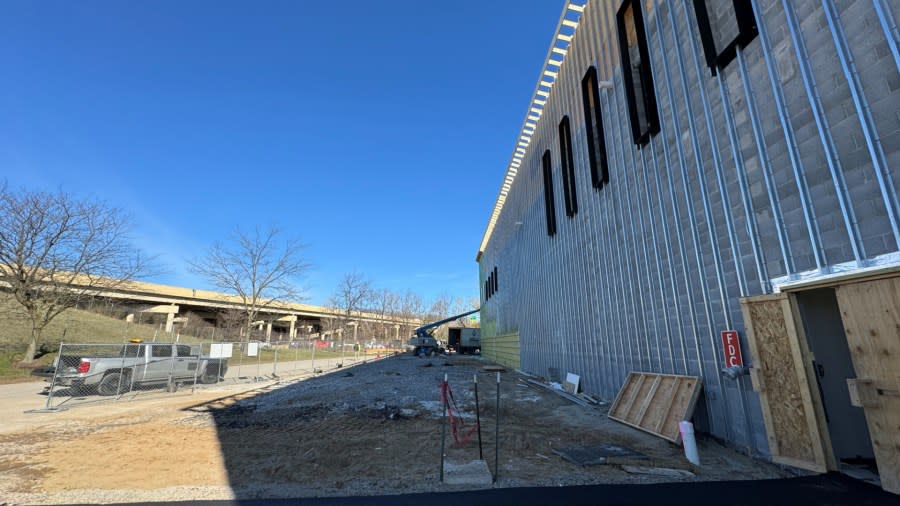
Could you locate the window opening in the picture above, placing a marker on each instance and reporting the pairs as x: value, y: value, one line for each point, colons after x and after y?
x: 724, y: 26
x: 636, y: 72
x: 568, y: 167
x: 549, y: 204
x: 593, y: 123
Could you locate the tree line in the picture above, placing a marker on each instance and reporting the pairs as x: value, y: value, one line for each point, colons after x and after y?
x: 57, y: 252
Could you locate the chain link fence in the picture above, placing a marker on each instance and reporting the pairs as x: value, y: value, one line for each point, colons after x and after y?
x: 91, y: 373
x: 98, y: 352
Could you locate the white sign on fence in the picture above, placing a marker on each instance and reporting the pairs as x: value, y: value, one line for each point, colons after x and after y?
x: 252, y: 349
x: 220, y: 350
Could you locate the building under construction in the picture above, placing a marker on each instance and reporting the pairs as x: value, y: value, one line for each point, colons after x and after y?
x: 691, y: 168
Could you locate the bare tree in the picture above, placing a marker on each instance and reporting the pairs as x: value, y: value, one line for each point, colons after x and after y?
x: 258, y: 267
x: 440, y: 308
x: 412, y: 308
x: 56, y: 252
x: 353, y: 294
x: 385, y: 302
x: 230, y: 321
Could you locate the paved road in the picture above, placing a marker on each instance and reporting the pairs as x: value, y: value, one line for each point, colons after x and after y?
x: 829, y: 489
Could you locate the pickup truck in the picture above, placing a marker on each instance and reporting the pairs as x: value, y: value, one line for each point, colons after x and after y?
x: 138, y: 364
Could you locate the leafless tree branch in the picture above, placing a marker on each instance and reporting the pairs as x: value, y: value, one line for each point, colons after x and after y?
x: 57, y: 251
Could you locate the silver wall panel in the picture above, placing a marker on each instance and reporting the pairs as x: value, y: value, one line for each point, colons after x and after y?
x: 783, y: 162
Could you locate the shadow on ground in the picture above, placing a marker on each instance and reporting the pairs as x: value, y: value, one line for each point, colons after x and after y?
x: 370, y: 434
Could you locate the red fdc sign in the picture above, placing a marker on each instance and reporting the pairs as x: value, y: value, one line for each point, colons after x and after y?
x: 732, y: 347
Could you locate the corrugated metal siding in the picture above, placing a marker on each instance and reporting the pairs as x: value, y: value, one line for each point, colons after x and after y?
x: 769, y: 169
x: 502, y: 349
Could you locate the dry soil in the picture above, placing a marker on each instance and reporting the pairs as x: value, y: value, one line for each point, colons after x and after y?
x: 374, y: 428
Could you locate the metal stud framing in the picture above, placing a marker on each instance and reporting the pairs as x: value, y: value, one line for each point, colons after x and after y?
x: 760, y: 173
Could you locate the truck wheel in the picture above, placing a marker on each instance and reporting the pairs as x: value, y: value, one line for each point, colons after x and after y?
x: 114, y: 383
x: 209, y: 376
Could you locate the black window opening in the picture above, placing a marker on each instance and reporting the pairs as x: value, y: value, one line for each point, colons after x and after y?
x: 724, y: 26
x: 549, y: 204
x: 593, y: 122
x: 568, y: 167
x: 496, y: 284
x: 636, y: 72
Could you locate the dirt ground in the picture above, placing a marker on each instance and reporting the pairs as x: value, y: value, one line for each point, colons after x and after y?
x: 371, y: 429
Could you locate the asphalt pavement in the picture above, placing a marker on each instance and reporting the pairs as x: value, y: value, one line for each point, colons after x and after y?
x: 830, y: 489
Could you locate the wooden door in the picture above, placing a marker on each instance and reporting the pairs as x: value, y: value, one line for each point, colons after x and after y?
x: 871, y: 314
x: 781, y: 372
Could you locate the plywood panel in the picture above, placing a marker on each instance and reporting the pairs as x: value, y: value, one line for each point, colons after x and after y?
x: 655, y: 403
x: 794, y: 422
x: 871, y: 315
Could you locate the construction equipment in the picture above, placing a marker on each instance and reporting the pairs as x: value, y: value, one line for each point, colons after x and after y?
x: 425, y: 344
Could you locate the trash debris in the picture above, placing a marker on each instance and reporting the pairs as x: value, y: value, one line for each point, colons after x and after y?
x: 573, y: 383
x: 577, y: 399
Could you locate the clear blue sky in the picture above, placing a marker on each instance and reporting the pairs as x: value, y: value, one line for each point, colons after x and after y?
x: 377, y: 132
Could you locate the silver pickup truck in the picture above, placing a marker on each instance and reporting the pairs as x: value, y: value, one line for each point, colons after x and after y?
x: 137, y: 364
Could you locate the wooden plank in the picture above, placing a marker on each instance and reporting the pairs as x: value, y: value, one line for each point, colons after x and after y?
x: 613, y: 408
x: 871, y: 314
x: 685, y: 400
x: 782, y: 380
x: 635, y: 390
x: 651, y: 407
x: 647, y: 400
x: 669, y: 405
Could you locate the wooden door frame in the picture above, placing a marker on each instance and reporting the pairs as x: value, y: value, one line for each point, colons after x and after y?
x: 823, y: 454
x: 833, y: 282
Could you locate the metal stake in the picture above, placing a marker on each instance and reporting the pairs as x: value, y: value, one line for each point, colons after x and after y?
x: 497, y: 434
x: 478, y: 420
x: 443, y: 426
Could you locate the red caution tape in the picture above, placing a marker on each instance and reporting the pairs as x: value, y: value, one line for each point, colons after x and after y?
x: 456, y: 421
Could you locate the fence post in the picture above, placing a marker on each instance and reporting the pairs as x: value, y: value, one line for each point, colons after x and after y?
x: 258, y: 354
x: 275, y: 364
x: 55, y: 372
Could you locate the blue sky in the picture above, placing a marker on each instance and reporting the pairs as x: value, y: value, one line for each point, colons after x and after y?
x: 375, y: 132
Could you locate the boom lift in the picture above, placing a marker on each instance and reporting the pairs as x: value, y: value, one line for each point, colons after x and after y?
x: 423, y: 343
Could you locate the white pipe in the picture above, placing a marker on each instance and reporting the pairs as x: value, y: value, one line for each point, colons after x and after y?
x: 690, y: 444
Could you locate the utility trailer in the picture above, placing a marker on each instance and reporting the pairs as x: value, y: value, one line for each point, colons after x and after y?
x: 464, y: 340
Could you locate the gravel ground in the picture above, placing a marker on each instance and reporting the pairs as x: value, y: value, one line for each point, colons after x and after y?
x: 374, y: 428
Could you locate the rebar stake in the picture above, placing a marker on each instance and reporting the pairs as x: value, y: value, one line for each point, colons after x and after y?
x: 443, y: 424
x: 497, y: 434
x: 478, y: 419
